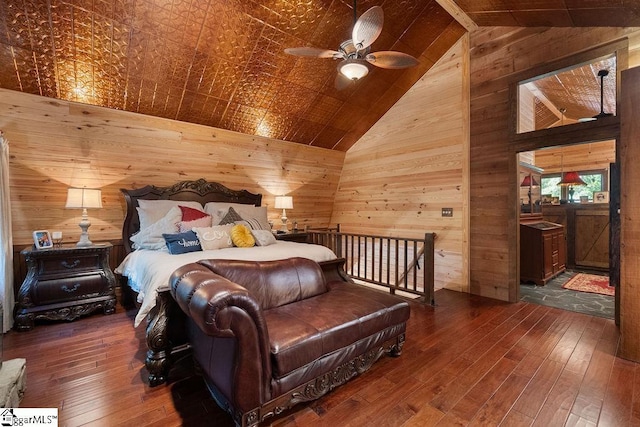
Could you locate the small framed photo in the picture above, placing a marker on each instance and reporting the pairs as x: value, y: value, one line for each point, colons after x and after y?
x: 600, y: 197
x: 42, y: 239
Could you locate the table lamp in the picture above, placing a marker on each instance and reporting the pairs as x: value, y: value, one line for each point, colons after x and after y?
x: 529, y: 181
x: 571, y: 179
x: 84, y: 198
x: 284, y: 202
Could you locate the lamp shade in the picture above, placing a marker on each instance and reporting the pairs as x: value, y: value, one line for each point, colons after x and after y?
x: 529, y: 181
x: 353, y: 69
x: 571, y: 178
x: 83, y: 198
x: 284, y: 202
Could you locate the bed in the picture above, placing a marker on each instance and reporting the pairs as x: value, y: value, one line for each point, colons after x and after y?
x: 146, y: 269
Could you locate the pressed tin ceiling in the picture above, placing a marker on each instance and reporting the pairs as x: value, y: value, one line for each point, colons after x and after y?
x: 572, y: 95
x: 222, y: 63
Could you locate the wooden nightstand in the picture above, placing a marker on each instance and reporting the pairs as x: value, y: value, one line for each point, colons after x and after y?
x: 65, y: 283
x: 293, y: 236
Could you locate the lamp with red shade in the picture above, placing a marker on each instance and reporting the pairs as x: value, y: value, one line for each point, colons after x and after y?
x: 570, y: 180
x: 529, y: 181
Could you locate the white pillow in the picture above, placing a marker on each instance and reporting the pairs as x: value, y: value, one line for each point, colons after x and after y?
x: 151, y: 236
x: 218, y: 210
x: 263, y: 237
x: 151, y: 211
x: 216, y: 237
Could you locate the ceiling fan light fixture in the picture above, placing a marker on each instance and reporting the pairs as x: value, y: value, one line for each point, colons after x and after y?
x: 353, y: 69
x: 356, y: 51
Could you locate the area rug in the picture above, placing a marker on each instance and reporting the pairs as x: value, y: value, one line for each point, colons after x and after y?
x: 595, y: 284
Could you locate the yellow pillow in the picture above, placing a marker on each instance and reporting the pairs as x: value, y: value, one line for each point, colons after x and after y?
x: 241, y: 236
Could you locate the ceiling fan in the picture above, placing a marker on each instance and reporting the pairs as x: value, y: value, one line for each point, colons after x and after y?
x: 356, y: 53
x: 602, y: 74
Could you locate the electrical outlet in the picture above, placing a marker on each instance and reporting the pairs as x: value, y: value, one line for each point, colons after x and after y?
x: 447, y: 212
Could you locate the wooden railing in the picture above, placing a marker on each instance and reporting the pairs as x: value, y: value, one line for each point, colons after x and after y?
x: 397, y: 263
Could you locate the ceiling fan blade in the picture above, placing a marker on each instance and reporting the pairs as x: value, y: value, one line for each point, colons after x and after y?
x: 313, y: 52
x: 367, y: 28
x: 391, y: 59
x: 342, y: 82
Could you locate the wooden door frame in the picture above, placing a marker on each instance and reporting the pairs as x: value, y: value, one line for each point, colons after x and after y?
x: 607, y: 128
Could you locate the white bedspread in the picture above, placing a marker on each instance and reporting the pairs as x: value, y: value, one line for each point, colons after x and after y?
x: 148, y: 272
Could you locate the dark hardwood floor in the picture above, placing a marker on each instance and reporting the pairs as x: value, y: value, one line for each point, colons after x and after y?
x: 468, y: 361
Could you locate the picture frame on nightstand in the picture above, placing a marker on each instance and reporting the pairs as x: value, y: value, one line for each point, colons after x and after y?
x: 42, y: 239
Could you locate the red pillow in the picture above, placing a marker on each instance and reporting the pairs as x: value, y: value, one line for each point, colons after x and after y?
x: 190, y: 214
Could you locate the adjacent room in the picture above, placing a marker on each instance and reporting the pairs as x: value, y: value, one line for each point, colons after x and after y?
x: 565, y: 208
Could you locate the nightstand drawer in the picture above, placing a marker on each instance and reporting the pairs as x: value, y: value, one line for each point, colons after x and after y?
x: 53, y: 291
x: 69, y: 264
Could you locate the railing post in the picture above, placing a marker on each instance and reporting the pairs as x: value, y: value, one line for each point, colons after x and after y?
x: 338, y: 239
x: 429, y: 265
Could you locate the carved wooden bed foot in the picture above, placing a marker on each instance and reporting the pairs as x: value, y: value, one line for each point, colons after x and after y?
x: 162, y: 348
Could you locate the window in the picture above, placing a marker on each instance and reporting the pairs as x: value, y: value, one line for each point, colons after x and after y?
x: 550, y: 185
x: 596, y: 180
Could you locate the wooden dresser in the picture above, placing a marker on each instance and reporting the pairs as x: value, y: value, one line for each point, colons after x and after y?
x: 65, y: 283
x: 543, y: 251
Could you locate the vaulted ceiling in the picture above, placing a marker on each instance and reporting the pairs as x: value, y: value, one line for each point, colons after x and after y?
x: 222, y: 63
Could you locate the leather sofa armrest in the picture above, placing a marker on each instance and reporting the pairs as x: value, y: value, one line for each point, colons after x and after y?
x: 222, y: 308
x: 204, y: 296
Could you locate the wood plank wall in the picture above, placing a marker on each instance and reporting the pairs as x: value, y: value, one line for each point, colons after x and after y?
x: 411, y: 164
x: 57, y: 144
x: 497, y: 54
x: 593, y: 155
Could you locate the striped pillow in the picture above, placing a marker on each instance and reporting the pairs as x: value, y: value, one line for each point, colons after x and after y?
x: 256, y: 224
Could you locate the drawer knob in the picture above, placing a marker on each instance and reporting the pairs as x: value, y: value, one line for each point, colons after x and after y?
x: 69, y: 290
x: 74, y: 264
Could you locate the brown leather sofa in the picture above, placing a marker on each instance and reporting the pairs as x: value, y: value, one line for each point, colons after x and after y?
x: 269, y: 335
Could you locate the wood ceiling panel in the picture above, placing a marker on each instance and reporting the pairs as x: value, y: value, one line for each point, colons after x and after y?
x: 542, y: 18
x: 604, y: 17
x: 491, y: 19
x: 544, y: 116
x: 554, y: 13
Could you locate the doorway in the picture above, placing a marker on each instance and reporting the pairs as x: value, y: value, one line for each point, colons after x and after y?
x: 578, y: 277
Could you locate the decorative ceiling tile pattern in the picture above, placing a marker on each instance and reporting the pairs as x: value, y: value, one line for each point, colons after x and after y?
x: 222, y: 63
x: 217, y: 62
x: 577, y: 92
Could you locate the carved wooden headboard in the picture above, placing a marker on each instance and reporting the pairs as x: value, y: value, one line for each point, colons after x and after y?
x: 199, y: 191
